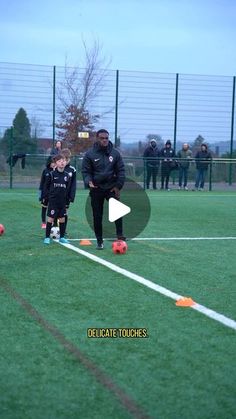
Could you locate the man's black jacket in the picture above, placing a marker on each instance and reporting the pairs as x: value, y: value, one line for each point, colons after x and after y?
x: 103, y: 166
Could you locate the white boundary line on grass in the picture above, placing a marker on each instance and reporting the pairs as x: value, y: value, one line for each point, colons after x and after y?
x: 226, y: 321
x: 166, y: 238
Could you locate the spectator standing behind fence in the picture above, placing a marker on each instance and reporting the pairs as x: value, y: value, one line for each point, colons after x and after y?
x: 185, y: 155
x: 57, y: 149
x: 167, y: 164
x: 202, y: 158
x: 151, y: 158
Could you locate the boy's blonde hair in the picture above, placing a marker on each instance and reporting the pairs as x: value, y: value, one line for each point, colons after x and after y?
x: 66, y: 153
x: 58, y: 157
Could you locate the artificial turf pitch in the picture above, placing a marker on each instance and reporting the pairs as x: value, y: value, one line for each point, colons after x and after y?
x: 50, y: 296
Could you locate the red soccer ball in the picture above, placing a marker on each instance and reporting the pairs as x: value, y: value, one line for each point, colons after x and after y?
x: 119, y: 247
x: 2, y: 229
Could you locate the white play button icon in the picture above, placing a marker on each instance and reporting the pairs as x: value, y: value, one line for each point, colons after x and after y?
x: 117, y: 210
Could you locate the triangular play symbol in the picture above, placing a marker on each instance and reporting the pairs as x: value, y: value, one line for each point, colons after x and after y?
x: 116, y: 210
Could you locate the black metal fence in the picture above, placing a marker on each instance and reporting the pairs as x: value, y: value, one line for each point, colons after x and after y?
x: 131, y: 104
x: 221, y: 173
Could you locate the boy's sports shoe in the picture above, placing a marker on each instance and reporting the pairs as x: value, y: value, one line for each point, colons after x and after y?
x: 63, y: 240
x: 43, y: 225
x: 47, y: 240
x: 100, y: 245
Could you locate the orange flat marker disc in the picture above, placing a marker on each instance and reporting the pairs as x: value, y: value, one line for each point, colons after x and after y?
x: 185, y: 302
x: 85, y: 242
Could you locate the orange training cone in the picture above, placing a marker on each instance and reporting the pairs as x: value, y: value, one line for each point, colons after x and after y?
x: 185, y: 302
x: 85, y: 242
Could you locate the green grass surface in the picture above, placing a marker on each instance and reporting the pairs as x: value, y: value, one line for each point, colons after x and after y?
x: 185, y: 368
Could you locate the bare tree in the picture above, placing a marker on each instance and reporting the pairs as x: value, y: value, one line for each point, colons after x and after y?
x: 36, y: 127
x: 76, y: 93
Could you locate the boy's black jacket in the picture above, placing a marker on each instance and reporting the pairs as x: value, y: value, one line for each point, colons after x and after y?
x: 56, y: 188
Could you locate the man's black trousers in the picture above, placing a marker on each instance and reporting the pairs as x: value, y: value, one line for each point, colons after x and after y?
x: 98, y: 197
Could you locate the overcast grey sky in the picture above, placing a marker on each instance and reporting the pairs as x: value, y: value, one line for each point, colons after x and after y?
x: 185, y: 36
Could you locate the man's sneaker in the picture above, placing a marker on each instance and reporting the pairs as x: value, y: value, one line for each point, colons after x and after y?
x: 63, y: 240
x: 47, y: 240
x: 100, y: 246
x: 123, y: 238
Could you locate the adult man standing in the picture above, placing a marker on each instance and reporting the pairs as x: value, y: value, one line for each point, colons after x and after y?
x: 203, y: 159
x: 151, y: 155
x: 185, y: 155
x: 103, y: 172
x: 167, y: 164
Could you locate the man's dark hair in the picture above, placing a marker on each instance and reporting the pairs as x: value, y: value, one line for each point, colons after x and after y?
x: 102, y: 131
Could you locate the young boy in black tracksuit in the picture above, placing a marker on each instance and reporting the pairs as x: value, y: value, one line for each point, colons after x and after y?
x: 50, y: 165
x: 55, y: 192
x: 72, y: 187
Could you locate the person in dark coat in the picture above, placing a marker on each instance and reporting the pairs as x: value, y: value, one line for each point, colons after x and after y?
x: 103, y: 172
x: 203, y: 159
x: 185, y: 154
x: 57, y: 149
x: 50, y: 165
x: 55, y: 193
x: 167, y: 164
x: 151, y: 156
x: 72, y: 188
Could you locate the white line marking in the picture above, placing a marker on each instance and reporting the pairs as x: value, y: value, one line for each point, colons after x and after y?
x: 184, y: 238
x: 231, y: 194
x: 164, y: 291
x: 215, y: 316
x: 165, y: 238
